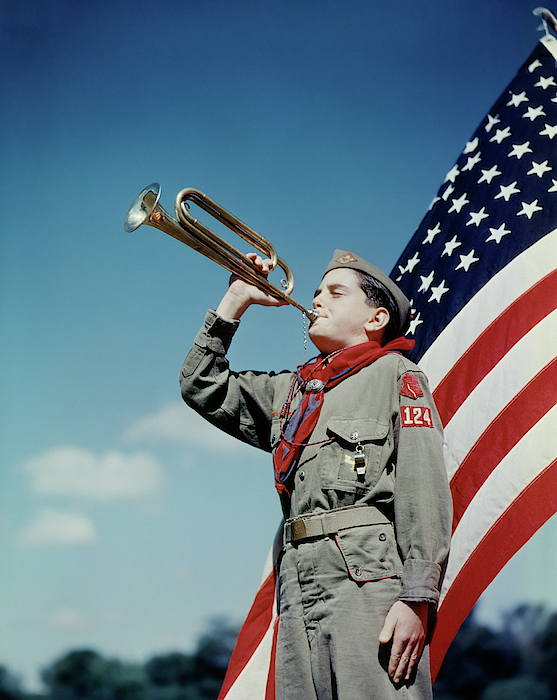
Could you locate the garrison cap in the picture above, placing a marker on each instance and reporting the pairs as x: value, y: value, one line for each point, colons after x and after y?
x: 343, y: 258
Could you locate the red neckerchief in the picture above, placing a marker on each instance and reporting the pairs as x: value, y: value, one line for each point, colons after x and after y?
x: 328, y: 372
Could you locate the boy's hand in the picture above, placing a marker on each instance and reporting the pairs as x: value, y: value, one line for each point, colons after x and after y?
x: 405, y: 625
x: 241, y: 294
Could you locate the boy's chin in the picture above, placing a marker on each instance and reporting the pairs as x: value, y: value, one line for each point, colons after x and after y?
x: 324, y: 345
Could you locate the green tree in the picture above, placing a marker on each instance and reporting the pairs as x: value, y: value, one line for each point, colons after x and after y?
x: 477, y: 657
x: 197, y: 676
x: 522, y: 687
x: 86, y: 675
x: 171, y: 669
x: 9, y: 686
x: 545, y: 645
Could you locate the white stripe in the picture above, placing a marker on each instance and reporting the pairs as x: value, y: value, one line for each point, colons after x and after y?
x: 511, y: 282
x: 251, y: 684
x: 550, y: 43
x: 271, y: 558
x: 519, y: 366
x: 529, y: 457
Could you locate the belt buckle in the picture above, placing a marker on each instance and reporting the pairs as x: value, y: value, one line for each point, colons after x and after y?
x: 298, y: 530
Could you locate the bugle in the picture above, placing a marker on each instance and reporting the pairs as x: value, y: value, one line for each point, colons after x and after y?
x: 187, y: 229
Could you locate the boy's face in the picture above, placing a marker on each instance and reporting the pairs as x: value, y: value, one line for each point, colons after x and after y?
x: 345, y: 319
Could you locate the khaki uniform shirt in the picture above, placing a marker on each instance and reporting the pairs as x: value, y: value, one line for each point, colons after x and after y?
x: 382, y: 410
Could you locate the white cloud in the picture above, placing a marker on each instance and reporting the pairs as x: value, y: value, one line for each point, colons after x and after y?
x: 177, y: 423
x: 67, y: 619
x: 75, y: 621
x: 73, y: 471
x: 56, y: 527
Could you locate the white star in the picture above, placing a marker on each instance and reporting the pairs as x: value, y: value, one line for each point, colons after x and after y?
x: 553, y: 188
x: 497, y: 233
x: 472, y: 161
x: 401, y: 271
x: 539, y: 168
x: 501, y: 134
x: 476, y: 217
x: 426, y: 282
x: 545, y: 82
x: 459, y: 203
x: 411, y: 264
x: 491, y: 121
x: 533, y: 114
x: 506, y: 191
x: 471, y: 146
x: 431, y: 233
x: 450, y: 246
x: 437, y: 292
x: 466, y: 261
x: 414, y: 323
x: 549, y: 130
x: 517, y: 99
x: 448, y: 192
x: 488, y: 175
x: 433, y: 203
x: 554, y: 99
x: 519, y: 149
x: 530, y: 209
x: 536, y: 64
x: 453, y: 173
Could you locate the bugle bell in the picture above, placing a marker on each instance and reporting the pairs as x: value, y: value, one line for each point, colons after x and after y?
x: 185, y: 228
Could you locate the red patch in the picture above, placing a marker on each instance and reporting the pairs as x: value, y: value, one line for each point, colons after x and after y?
x: 411, y: 387
x: 416, y: 417
x: 347, y: 258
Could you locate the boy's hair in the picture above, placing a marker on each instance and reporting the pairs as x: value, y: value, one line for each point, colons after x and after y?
x: 378, y: 295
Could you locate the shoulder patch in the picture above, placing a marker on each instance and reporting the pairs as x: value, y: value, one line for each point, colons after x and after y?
x: 411, y: 387
x: 416, y: 417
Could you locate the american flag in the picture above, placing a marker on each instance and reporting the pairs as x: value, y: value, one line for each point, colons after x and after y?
x: 481, y: 274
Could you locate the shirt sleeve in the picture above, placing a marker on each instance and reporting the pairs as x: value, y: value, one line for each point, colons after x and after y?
x: 239, y: 403
x: 423, y: 505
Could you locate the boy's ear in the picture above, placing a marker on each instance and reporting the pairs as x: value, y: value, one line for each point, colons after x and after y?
x: 378, y: 319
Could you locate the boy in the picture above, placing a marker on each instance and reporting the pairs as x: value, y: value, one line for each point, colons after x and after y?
x: 357, y: 452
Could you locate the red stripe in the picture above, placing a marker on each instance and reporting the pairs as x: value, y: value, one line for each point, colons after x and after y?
x: 252, y: 632
x: 528, y: 512
x: 508, y: 428
x: 492, y: 345
x: 270, y: 689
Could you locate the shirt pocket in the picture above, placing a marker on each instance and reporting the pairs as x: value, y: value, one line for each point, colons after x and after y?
x: 361, y: 442
x: 370, y: 552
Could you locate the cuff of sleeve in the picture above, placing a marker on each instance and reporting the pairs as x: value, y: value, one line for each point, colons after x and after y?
x: 420, y: 581
x: 219, y: 332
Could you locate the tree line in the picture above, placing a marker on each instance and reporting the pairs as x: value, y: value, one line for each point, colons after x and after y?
x: 519, y: 661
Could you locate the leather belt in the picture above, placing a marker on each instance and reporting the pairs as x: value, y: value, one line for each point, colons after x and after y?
x: 330, y: 522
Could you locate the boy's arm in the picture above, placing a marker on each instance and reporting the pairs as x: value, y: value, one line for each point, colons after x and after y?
x: 422, y: 520
x: 240, y: 404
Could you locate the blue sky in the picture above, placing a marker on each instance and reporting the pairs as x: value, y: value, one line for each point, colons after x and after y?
x: 127, y: 523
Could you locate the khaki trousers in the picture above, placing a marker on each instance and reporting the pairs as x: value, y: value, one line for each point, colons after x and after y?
x: 329, y: 626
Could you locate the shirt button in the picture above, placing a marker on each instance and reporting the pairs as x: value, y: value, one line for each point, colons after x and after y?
x: 382, y: 537
x: 357, y: 571
x: 302, y: 476
x: 354, y: 435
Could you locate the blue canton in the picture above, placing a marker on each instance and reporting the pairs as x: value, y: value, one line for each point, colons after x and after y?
x: 498, y: 199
